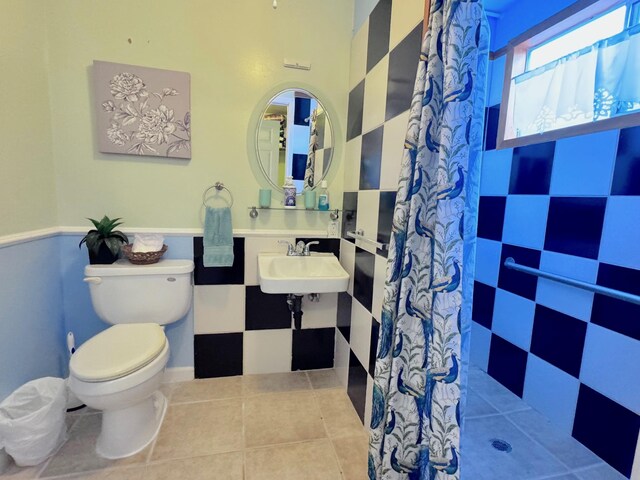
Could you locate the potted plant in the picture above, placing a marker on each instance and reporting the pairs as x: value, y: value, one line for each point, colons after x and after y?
x: 103, y: 242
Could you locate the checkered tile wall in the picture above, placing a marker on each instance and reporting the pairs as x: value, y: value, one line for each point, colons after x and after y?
x: 384, y: 58
x: 569, y: 207
x: 240, y: 330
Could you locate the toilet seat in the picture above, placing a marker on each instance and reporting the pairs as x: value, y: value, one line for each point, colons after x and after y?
x: 117, y: 352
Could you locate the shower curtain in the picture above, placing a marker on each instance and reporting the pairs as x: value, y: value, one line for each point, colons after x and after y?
x: 310, y: 169
x: 418, y: 392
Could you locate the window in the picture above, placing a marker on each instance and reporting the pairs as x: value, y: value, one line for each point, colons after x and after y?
x: 605, y: 26
x: 574, y: 74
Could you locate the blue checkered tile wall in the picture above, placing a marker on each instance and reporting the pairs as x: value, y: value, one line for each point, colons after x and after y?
x: 570, y: 207
x: 385, y: 55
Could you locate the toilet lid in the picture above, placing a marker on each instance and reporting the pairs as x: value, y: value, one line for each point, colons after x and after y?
x: 117, y: 351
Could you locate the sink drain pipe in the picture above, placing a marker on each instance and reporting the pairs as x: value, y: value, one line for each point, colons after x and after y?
x: 295, y: 307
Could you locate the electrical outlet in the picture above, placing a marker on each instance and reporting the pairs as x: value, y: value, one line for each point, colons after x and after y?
x: 332, y: 229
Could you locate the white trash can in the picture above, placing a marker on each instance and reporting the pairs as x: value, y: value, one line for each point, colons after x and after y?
x: 32, y: 420
x: 4, y: 461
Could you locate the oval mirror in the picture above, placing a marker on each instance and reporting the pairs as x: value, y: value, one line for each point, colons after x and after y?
x: 294, y: 137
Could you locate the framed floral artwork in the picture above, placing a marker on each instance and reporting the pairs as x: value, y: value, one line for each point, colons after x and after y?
x: 142, y: 110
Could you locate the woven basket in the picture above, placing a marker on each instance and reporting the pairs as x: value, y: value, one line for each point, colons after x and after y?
x: 143, y: 258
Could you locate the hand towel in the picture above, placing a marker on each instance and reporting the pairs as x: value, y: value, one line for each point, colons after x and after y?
x: 151, y: 242
x: 218, y: 238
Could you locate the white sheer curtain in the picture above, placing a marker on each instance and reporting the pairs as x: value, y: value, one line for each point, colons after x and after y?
x: 598, y: 82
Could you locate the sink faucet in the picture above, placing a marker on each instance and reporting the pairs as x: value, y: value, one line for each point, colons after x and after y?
x: 306, y: 252
x: 299, y: 250
x: 291, y: 250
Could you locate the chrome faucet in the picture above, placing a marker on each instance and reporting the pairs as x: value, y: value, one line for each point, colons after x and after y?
x: 291, y: 250
x: 306, y: 252
x: 300, y: 249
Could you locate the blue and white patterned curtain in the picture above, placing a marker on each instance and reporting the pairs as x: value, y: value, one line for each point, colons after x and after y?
x: 310, y: 169
x: 418, y: 391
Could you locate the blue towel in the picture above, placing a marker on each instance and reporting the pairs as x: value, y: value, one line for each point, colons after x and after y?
x: 218, y: 238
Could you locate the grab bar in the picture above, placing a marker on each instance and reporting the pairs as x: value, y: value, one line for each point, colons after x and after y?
x: 359, y: 235
x: 609, y: 292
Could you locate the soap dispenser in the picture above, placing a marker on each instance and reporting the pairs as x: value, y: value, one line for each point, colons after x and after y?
x: 289, y: 193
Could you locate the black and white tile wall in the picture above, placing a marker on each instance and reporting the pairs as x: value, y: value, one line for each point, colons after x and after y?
x: 570, y: 207
x: 384, y: 58
x: 240, y: 330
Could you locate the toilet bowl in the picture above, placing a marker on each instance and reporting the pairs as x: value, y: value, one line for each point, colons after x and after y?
x: 119, y: 370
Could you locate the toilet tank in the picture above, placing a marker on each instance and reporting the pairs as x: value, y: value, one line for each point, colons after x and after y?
x: 125, y: 293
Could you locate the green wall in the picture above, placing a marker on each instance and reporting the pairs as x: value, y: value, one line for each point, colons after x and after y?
x: 27, y: 195
x: 53, y: 175
x: 234, y: 52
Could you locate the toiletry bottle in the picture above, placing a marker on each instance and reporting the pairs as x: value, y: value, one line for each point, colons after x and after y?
x: 323, y: 197
x: 289, y: 193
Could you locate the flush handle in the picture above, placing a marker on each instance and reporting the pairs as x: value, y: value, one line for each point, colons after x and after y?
x: 94, y: 280
x: 171, y: 279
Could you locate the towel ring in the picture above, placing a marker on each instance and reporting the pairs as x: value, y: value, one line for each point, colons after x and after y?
x: 219, y: 186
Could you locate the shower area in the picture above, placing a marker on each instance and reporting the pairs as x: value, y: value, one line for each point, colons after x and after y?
x: 551, y: 374
x: 556, y: 287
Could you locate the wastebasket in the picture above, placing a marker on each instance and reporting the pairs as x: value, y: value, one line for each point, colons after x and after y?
x: 4, y: 461
x: 32, y: 421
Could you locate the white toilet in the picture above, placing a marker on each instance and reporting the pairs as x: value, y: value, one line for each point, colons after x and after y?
x: 119, y: 371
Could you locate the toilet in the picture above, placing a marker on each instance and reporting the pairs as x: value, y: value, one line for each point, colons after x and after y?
x: 119, y: 371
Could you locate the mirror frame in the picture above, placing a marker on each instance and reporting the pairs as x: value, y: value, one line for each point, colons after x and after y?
x: 254, y: 123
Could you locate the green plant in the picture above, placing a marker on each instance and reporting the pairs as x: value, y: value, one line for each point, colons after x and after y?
x: 104, y: 233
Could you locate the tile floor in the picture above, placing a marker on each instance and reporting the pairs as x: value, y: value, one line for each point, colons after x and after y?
x: 298, y: 425
x: 539, y: 450
x: 302, y: 425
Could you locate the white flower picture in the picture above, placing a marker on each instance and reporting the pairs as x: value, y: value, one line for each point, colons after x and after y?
x: 142, y: 111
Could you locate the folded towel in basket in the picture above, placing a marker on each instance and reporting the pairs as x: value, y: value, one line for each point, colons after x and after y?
x: 218, y: 237
x: 148, y: 242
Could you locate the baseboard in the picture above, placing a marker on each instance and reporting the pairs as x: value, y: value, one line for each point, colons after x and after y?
x: 178, y: 374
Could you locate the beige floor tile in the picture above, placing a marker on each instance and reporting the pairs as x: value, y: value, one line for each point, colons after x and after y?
x: 167, y: 390
x: 309, y: 461
x: 227, y: 466
x: 352, y: 453
x: 13, y: 472
x: 338, y: 413
x: 79, y: 453
x: 281, y: 418
x: 209, y: 389
x: 128, y: 473
x: 324, y: 379
x: 275, y: 382
x: 202, y: 428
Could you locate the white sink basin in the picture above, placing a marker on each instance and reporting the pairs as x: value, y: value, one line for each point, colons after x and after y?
x: 317, y: 273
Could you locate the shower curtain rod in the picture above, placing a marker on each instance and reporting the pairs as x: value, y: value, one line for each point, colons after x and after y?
x: 609, y: 292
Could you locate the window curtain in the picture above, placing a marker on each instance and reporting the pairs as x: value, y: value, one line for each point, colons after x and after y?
x: 598, y: 82
x: 420, y: 372
x: 310, y: 170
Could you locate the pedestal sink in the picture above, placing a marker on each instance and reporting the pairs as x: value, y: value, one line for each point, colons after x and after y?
x: 301, y: 275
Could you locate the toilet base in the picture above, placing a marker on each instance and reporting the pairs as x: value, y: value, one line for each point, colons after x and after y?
x: 130, y: 430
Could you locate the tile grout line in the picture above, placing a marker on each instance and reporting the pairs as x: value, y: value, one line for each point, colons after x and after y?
x: 500, y: 412
x: 326, y: 431
x: 488, y: 415
x: 526, y: 434
x: 539, y: 444
x: 244, y: 440
x: 45, y: 465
